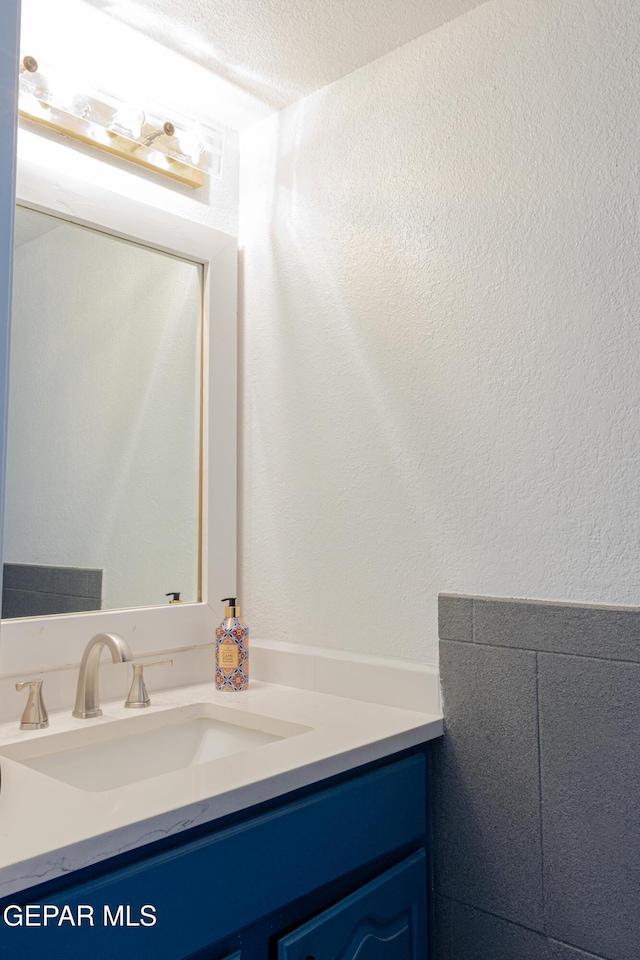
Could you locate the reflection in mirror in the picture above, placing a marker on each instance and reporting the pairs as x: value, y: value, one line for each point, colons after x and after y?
x: 102, y: 502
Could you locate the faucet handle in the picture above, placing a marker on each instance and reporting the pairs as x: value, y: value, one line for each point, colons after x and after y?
x: 35, y: 715
x: 138, y: 696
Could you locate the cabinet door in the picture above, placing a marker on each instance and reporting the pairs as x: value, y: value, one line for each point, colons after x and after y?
x: 384, y: 920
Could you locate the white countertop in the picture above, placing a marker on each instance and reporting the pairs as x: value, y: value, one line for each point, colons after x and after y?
x: 49, y: 828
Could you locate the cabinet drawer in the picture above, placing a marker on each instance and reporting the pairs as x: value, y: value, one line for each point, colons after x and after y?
x: 207, y: 889
x: 384, y: 920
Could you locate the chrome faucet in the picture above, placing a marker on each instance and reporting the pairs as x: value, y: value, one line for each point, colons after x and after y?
x: 87, y: 696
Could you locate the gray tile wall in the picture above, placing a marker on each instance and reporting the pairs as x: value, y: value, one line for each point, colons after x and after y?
x: 36, y: 590
x: 536, y: 783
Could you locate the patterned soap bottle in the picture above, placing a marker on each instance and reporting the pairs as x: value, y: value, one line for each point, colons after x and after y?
x: 232, y: 650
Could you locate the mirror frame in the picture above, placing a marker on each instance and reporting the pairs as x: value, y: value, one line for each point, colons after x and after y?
x: 34, y: 644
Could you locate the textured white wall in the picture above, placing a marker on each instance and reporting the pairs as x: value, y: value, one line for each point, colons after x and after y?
x: 441, y: 344
x: 103, y: 427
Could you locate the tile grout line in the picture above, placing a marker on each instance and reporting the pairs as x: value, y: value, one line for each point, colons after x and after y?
x: 542, y: 874
x: 522, y: 926
x: 488, y: 913
x: 553, y: 653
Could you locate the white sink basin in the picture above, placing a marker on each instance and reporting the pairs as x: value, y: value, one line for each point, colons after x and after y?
x: 119, y: 752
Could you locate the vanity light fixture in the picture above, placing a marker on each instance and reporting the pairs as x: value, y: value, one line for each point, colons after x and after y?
x: 176, y: 149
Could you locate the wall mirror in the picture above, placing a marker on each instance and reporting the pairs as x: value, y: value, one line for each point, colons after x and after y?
x: 121, y: 440
x: 102, y: 483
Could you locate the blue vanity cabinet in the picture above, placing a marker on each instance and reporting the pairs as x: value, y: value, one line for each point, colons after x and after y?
x: 340, y: 867
x: 384, y: 920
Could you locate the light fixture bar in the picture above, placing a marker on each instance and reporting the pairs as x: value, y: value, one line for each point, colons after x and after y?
x: 114, y: 144
x: 116, y: 128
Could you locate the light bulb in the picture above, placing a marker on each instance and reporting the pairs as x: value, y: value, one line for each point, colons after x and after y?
x: 128, y: 121
x: 63, y: 92
x: 191, y: 145
x: 81, y: 106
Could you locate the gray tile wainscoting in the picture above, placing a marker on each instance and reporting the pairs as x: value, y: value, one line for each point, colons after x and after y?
x: 37, y: 590
x: 536, y: 783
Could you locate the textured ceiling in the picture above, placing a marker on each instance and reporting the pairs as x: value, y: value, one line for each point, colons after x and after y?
x: 278, y: 51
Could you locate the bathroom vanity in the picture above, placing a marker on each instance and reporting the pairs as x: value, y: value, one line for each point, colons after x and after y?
x: 312, y: 843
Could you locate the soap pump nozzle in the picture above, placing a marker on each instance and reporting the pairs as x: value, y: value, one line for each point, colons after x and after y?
x: 175, y: 597
x: 231, y: 610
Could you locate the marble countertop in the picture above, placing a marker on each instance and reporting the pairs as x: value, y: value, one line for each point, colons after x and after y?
x: 49, y: 828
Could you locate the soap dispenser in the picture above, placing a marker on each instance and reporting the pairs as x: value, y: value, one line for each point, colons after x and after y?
x: 232, y: 650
